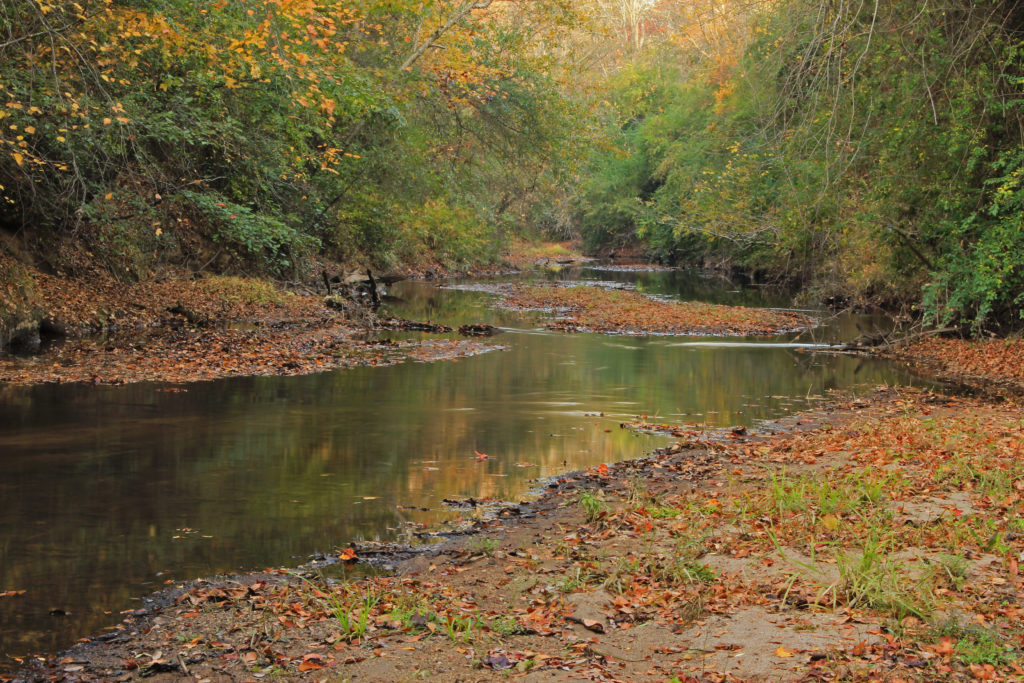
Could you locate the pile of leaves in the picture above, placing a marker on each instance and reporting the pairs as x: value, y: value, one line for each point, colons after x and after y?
x: 592, y: 309
x: 996, y: 362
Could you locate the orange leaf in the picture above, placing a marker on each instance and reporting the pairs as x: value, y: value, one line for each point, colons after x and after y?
x: 782, y: 652
x: 945, y: 646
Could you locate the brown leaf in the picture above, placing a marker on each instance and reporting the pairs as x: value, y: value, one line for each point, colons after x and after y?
x: 945, y: 646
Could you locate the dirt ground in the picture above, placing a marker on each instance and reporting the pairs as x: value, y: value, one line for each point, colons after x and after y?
x: 874, y: 540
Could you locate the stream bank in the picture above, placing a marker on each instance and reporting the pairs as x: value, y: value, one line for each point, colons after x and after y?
x: 876, y: 539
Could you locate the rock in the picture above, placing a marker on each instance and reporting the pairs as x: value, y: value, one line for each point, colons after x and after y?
x: 53, y: 327
x: 336, y: 302
x: 588, y: 609
x: 24, y: 337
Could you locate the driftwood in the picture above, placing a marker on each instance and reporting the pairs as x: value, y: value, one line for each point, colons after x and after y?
x: 883, y: 343
x: 478, y: 330
x: 374, y: 294
x: 403, y: 325
x: 361, y: 288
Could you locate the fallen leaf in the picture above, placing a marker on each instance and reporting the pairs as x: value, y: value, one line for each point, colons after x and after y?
x: 945, y: 646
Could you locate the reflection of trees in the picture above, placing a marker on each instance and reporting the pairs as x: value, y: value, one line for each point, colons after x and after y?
x: 98, y: 479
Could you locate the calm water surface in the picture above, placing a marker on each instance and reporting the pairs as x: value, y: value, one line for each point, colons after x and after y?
x: 109, y: 492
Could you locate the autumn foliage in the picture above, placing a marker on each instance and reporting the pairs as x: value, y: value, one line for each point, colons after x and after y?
x: 249, y: 135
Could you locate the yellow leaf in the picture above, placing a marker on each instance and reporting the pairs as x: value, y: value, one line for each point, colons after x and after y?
x: 30, y: 130
x: 109, y: 196
x: 107, y: 122
x: 830, y: 522
x: 782, y: 652
x: 122, y: 119
x: 18, y: 158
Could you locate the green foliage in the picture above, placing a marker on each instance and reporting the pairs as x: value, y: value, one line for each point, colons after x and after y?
x: 981, y: 276
x: 594, y: 507
x: 873, y: 580
x: 866, y: 152
x: 271, y: 244
x: 976, y: 644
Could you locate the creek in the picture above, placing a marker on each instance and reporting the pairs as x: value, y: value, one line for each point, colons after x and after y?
x: 110, y: 493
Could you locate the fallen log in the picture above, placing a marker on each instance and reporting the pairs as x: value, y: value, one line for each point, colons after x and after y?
x: 478, y: 330
x: 882, y: 343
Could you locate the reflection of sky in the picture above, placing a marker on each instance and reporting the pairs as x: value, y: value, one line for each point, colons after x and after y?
x: 105, y: 487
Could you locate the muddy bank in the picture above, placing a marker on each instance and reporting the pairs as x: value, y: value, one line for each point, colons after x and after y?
x: 181, y: 326
x: 195, y: 355
x: 187, y: 329
x: 877, y: 539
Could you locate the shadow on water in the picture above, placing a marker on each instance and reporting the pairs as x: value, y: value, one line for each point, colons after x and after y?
x: 109, y: 492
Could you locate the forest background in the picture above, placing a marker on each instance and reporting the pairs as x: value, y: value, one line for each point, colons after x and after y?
x: 860, y: 152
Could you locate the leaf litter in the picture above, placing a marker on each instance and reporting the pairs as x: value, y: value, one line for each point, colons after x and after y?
x: 617, y: 311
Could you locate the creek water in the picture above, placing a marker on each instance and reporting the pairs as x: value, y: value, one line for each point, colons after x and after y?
x: 109, y: 493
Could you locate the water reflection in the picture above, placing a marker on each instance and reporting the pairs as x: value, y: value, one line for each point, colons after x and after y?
x: 110, y: 491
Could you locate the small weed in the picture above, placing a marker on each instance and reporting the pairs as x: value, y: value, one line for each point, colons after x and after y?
x: 954, y: 569
x: 639, y: 495
x: 575, y: 581
x: 460, y: 629
x: 562, y: 548
x: 410, y: 611
x: 663, y: 512
x: 976, y: 644
x: 485, y: 546
x: 621, y: 575
x: 789, y: 495
x: 879, y: 583
x: 353, y: 616
x: 507, y: 626
x: 593, y: 506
